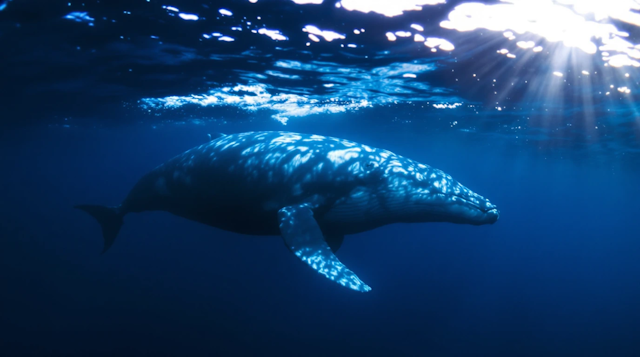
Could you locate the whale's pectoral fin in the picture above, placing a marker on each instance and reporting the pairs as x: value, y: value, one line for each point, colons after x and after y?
x: 334, y: 242
x: 302, y: 235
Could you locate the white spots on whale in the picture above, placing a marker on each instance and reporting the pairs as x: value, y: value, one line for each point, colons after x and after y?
x: 221, y: 142
x: 286, y: 156
x: 436, y: 184
x: 331, y: 269
x: 251, y: 163
x: 384, y: 154
x: 254, y: 149
x: 271, y: 159
x: 318, y: 168
x: 316, y: 200
x: 445, y: 186
x: 339, y: 157
x: 399, y: 169
x: 260, y: 136
x: 315, y: 138
x: 297, y: 161
x: 303, y: 237
x: 394, y: 162
x: 346, y: 143
x: 300, y: 159
x: 355, y: 167
x: 231, y: 145
x: 353, y: 185
x: 286, y: 139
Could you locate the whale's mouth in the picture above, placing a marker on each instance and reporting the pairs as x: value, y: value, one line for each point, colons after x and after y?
x: 489, y: 214
x: 488, y: 209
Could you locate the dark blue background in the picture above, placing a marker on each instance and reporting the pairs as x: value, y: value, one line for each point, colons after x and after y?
x: 557, y: 275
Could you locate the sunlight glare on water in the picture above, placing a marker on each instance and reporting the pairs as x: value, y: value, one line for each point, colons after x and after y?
x: 562, y: 21
x: 466, y: 58
x: 529, y: 27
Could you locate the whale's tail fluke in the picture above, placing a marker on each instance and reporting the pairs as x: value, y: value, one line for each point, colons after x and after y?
x: 110, y: 219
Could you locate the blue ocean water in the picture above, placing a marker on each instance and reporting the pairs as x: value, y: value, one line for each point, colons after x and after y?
x: 529, y: 103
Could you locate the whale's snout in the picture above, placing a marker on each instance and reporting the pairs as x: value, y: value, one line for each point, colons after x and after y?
x: 492, y: 215
x: 471, y: 208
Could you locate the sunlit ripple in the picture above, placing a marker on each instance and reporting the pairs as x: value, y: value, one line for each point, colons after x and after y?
x: 80, y: 17
x: 387, y: 8
x: 447, y: 106
x: 327, y: 35
x: 188, y: 17
x: 256, y: 97
x: 306, y: 2
x: 356, y: 88
x: 273, y: 34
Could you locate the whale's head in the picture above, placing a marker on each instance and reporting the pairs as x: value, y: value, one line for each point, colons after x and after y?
x: 414, y: 192
x: 395, y: 189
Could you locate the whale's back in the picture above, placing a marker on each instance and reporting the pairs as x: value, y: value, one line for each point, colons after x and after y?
x: 250, y: 175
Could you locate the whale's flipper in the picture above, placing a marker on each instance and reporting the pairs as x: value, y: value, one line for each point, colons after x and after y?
x: 110, y: 219
x: 302, y: 235
x: 334, y: 242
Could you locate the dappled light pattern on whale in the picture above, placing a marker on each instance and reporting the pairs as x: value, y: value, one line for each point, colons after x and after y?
x: 321, y: 171
x: 302, y: 160
x: 304, y: 238
x: 408, y: 190
x: 310, y: 189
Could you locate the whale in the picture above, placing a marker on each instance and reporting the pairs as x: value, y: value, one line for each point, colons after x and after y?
x: 311, y: 190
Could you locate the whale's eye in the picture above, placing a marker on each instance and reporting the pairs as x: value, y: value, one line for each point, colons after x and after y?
x: 370, y: 166
x: 372, y: 171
